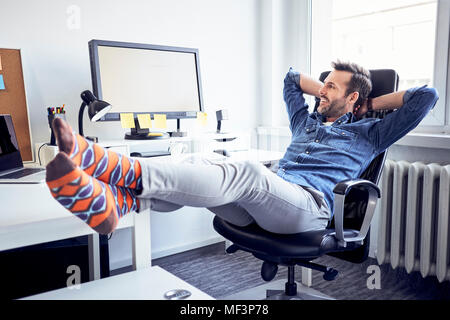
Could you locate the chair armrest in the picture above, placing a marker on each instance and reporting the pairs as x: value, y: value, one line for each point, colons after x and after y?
x: 340, y: 192
x: 344, y: 187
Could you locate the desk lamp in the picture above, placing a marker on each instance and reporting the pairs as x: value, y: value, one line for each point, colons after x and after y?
x: 96, y: 109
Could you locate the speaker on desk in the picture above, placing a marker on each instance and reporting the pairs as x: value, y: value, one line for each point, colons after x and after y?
x: 221, y: 115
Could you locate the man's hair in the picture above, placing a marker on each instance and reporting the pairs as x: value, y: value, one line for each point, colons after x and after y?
x: 360, y: 81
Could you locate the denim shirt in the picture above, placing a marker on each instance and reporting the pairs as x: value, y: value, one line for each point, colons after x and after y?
x: 321, y: 156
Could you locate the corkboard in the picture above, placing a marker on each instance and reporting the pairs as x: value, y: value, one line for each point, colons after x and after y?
x: 12, y: 99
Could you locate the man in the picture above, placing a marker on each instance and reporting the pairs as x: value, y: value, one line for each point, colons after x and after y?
x: 328, y: 146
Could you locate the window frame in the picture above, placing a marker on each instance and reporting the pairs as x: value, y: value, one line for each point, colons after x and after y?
x: 441, y: 72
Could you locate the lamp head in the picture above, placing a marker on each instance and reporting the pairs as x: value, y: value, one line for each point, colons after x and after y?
x: 96, y: 108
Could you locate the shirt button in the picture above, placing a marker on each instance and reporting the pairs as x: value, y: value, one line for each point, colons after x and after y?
x: 307, y: 152
x: 317, y: 140
x: 307, y: 130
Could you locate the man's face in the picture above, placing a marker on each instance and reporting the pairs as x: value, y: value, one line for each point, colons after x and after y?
x: 333, y: 101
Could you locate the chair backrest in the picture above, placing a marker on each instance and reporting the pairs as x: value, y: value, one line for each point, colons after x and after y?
x: 384, y: 81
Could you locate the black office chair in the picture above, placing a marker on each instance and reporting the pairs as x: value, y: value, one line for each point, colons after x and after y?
x: 347, y: 235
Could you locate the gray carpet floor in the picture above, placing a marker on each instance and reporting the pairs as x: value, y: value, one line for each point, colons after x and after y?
x: 220, y: 275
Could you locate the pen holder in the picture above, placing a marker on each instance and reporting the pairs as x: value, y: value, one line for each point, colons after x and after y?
x: 51, y: 117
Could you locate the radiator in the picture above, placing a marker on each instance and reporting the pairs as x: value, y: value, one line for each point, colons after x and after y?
x: 413, y: 230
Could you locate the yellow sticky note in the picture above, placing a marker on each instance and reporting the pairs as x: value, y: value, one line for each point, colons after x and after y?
x: 127, y: 120
x: 202, y: 118
x: 144, y: 120
x: 160, y: 121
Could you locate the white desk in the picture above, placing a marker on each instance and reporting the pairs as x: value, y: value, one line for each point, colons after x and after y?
x: 263, y: 156
x: 145, y: 284
x: 29, y: 215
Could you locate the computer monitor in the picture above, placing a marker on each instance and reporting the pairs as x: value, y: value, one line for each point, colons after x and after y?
x: 146, y: 79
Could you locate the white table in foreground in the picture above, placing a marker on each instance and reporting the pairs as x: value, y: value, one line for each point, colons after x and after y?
x: 144, y: 284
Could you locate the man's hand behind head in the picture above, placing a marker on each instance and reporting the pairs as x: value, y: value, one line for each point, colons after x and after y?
x: 361, y: 110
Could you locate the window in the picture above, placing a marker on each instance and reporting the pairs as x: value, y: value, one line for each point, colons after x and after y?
x: 397, y: 34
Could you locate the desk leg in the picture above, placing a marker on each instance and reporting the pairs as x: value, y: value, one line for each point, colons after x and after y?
x: 141, y: 240
x: 306, y: 277
x: 94, y: 256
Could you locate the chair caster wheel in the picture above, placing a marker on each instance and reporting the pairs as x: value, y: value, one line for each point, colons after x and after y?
x: 269, y: 270
x: 330, y: 274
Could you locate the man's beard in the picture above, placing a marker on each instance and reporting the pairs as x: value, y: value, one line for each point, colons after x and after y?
x: 333, y: 109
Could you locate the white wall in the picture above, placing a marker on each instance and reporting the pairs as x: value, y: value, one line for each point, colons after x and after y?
x: 56, y: 60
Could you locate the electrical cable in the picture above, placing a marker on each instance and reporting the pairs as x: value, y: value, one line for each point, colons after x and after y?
x: 39, y: 152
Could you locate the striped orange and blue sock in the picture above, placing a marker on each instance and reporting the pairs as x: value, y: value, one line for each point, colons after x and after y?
x: 106, y: 165
x: 98, y: 204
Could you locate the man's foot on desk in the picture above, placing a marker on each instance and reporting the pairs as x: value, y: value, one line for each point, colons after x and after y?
x: 106, y: 165
x: 96, y: 203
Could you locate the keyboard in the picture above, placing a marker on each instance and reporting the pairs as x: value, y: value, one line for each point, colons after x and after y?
x: 21, y: 173
x: 150, y: 154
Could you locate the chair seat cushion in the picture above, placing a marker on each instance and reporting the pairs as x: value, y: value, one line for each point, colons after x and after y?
x: 304, y: 245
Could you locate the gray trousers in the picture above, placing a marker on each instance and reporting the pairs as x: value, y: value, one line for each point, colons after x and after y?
x: 239, y: 192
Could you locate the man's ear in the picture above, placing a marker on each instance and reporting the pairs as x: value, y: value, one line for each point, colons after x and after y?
x: 353, y: 97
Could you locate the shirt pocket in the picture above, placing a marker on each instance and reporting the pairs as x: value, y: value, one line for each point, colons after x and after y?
x: 340, y: 139
x: 308, y: 132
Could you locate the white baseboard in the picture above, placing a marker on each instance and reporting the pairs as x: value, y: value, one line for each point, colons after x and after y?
x: 177, y: 249
x: 114, y: 265
x: 127, y: 261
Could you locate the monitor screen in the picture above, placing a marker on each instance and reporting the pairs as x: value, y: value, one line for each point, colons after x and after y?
x: 143, y: 78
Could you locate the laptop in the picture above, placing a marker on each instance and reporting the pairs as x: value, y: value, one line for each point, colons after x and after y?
x: 11, y: 164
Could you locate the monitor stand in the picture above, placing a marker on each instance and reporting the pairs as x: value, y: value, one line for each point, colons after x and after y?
x: 137, y: 133
x: 178, y: 133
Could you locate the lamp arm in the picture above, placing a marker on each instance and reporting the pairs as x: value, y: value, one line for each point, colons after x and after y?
x: 80, y: 119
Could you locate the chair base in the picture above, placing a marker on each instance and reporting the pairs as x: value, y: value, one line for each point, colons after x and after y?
x: 270, y: 291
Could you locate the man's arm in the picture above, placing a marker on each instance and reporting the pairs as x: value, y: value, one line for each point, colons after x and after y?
x: 295, y: 85
x: 412, y: 106
x: 388, y: 101
x: 309, y: 85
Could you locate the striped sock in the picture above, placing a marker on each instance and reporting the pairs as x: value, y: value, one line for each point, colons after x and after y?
x: 106, y: 165
x: 98, y: 204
